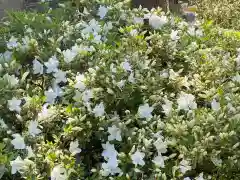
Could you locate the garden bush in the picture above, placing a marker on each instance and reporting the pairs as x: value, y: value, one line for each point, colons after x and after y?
x: 91, y: 90
x: 224, y: 12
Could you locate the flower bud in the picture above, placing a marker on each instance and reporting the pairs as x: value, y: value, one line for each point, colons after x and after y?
x: 127, y: 112
x: 93, y: 170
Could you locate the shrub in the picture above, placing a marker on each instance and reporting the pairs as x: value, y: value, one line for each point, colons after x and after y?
x: 92, y: 92
x: 224, y: 12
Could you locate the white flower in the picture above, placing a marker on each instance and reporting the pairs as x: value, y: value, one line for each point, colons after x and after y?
x: 115, y: 133
x: 37, y: 67
x: 12, y: 80
x: 200, y: 177
x: 97, y: 38
x: 111, y: 167
x: 131, y: 78
x: 184, y: 166
x: 87, y: 95
x: 159, y: 161
x: 14, y: 105
x: 74, y: 147
x: 78, y: 49
x: 33, y: 128
x: 147, y: 16
x: 126, y: 66
x: 160, y: 145
x: 18, y: 142
x: 44, y: 112
x: 17, y: 165
x: 108, y: 26
x: 59, y: 173
x: 99, y: 110
x: 199, y: 33
x: 7, y: 55
x: 102, y: 12
x: 191, y: 31
x: 216, y: 162
x: 12, y: 43
x: 236, y: 78
x: 60, y: 76
x: 134, y: 32
x: 30, y: 152
x: 50, y: 96
x: 145, y: 111
x: 121, y: 83
x: 80, y: 82
x: 85, y: 11
x: 58, y: 91
x: 52, y: 64
x: 186, y: 102
x: 109, y: 151
x: 186, y: 178
x: 157, y: 22
x: 69, y: 55
x: 164, y: 73
x: 215, y: 105
x: 137, y: 158
x: 167, y: 107
x: 92, y: 27
x: 174, y: 35
x: 52, y: 93
x: 138, y: 20
x: 158, y: 135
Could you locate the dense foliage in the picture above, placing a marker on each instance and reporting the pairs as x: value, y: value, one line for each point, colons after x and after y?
x: 91, y: 90
x: 225, y: 13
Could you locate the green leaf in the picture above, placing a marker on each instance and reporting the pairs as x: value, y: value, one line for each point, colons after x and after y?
x: 2, y: 146
x: 24, y: 76
x: 2, y: 170
x: 69, y: 109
